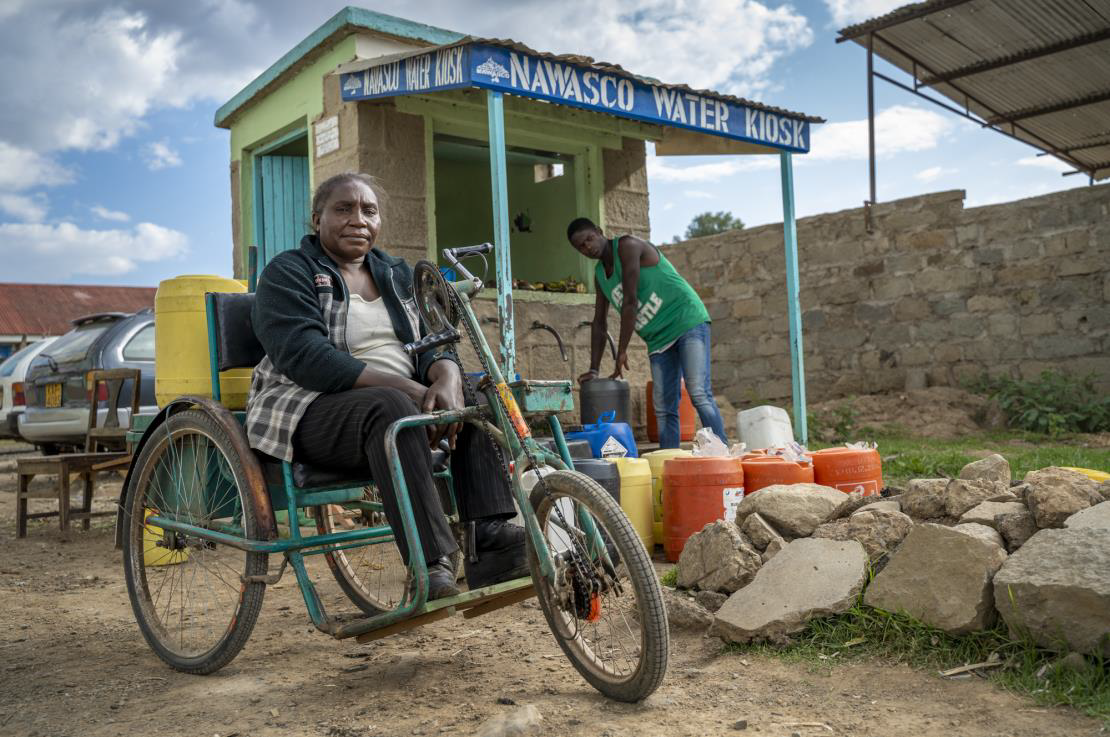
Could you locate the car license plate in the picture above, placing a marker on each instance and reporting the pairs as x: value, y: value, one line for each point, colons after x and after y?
x: 53, y: 395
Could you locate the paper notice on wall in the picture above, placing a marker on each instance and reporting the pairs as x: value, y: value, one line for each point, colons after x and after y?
x: 732, y: 497
x: 327, y: 135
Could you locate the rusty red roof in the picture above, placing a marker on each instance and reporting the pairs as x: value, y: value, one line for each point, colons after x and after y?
x: 48, y: 309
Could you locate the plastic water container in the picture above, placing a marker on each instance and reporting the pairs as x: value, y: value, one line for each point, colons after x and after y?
x: 155, y: 554
x: 764, y: 427
x: 763, y: 471
x: 556, y: 537
x: 181, y: 364
x: 602, y: 396
x: 578, y: 448
x: 603, y: 472
x: 849, y: 469
x: 655, y: 460
x: 697, y: 491
x: 607, y: 439
x: 635, y: 499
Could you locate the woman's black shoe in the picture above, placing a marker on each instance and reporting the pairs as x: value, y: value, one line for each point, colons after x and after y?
x: 497, y: 553
x: 441, y: 580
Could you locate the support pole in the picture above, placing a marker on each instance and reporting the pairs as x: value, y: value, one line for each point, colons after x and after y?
x: 871, y: 123
x: 790, y: 239
x: 495, y: 106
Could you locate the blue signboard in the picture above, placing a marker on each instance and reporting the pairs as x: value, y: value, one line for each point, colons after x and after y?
x: 517, y: 73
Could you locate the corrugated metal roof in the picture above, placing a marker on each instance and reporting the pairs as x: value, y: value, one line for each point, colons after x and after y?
x: 47, y: 309
x: 1036, y: 69
x: 578, y: 59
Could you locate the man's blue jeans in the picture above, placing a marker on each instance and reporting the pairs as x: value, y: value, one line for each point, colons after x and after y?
x: 687, y: 358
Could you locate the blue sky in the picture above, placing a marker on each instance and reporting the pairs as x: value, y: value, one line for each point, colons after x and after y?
x: 111, y: 171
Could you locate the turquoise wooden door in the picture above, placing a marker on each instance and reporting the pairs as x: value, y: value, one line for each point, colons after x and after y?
x: 283, y: 203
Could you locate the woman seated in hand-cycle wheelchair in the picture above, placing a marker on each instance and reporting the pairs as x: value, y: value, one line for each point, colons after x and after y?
x: 338, y: 390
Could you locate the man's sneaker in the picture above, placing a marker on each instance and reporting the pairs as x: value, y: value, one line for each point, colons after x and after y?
x: 497, y: 553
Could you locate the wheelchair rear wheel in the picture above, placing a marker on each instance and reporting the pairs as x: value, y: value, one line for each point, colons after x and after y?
x: 189, y: 595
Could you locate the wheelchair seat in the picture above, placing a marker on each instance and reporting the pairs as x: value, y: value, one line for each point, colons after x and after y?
x: 306, y: 476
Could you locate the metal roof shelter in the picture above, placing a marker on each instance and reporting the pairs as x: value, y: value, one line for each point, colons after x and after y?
x: 1034, y: 70
x: 691, y: 121
x: 47, y: 309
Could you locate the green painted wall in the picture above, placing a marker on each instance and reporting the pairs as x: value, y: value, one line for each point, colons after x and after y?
x: 544, y: 253
x: 464, y: 216
x: 287, y: 108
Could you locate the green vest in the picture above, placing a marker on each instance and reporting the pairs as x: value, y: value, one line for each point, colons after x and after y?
x: 667, y: 305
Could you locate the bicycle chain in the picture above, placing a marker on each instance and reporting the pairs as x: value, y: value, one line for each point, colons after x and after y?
x: 576, y: 556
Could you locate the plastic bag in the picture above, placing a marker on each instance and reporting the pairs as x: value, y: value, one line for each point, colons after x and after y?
x: 862, y: 445
x: 792, y: 451
x: 706, y: 443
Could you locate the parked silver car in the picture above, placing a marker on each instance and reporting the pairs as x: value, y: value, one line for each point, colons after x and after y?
x: 13, y: 370
x: 57, y: 413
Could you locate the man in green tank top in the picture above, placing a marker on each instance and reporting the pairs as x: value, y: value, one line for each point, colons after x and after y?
x: 654, y: 300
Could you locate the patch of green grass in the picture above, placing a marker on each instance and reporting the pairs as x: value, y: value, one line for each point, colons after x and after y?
x: 906, y: 457
x: 670, y: 577
x: 863, y: 632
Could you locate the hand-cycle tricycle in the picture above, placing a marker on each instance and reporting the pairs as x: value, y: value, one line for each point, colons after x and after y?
x: 198, y: 519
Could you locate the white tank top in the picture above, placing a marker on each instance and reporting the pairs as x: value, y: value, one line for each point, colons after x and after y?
x: 371, y: 338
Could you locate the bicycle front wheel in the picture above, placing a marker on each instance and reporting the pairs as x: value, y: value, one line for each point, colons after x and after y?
x: 605, y: 606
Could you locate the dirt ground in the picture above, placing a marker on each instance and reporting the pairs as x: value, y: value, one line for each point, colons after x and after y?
x: 72, y: 662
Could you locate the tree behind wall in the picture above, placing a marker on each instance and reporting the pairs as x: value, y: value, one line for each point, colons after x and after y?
x: 710, y: 223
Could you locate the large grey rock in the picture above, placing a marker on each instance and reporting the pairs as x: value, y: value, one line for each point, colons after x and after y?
x: 992, y: 468
x: 808, y: 578
x: 986, y: 513
x: 1097, y: 516
x: 964, y: 494
x: 717, y: 558
x: 685, y: 613
x: 942, y: 577
x: 1057, y: 493
x: 1057, y: 589
x: 516, y: 723
x: 759, y: 531
x: 855, y: 500
x: 711, y: 600
x: 924, y: 498
x: 773, y: 549
x: 890, y: 505
x: 794, y: 509
x: 1103, y: 490
x: 879, y: 530
x: 1015, y: 528
x: 981, y: 532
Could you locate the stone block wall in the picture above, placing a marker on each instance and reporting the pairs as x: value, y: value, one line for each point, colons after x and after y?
x: 935, y: 294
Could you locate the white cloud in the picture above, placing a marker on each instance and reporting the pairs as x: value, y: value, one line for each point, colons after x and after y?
x: 159, y: 155
x: 932, y: 173
x: 105, y: 214
x: 31, y: 250
x: 22, y: 169
x: 897, y: 129
x: 29, y: 208
x: 667, y: 40
x: 1045, y: 162
x: 848, y: 12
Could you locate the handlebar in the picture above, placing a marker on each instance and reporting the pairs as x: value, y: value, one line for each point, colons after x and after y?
x: 428, y: 342
x: 455, y: 255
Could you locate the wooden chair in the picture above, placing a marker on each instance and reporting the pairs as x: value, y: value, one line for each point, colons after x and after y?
x: 84, y: 465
